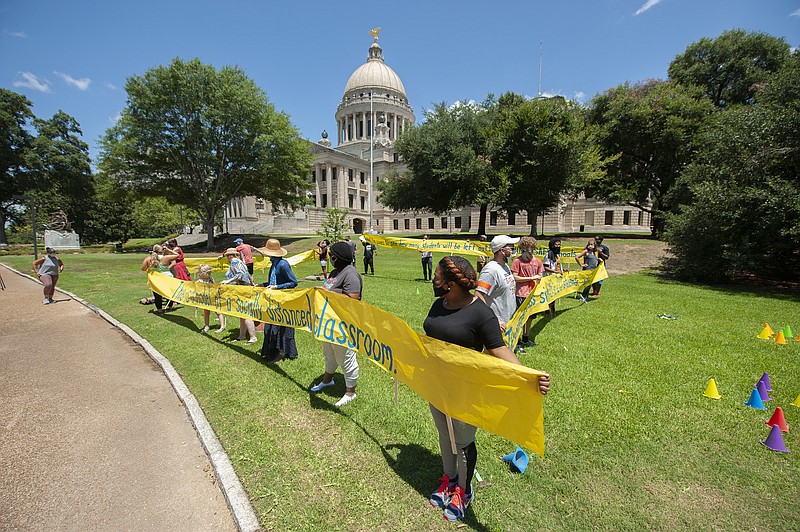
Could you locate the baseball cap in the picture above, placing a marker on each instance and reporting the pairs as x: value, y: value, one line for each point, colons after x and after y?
x: 238, y: 240
x: 501, y: 241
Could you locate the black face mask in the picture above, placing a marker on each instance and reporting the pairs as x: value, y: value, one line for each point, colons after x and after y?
x: 557, y: 250
x: 339, y: 262
x: 440, y: 291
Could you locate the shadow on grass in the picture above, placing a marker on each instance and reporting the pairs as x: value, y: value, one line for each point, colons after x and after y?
x: 786, y: 291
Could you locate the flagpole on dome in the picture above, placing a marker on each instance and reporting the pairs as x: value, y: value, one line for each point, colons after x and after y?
x: 374, y: 32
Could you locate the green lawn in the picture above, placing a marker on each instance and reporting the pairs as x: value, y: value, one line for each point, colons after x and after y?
x: 630, y: 441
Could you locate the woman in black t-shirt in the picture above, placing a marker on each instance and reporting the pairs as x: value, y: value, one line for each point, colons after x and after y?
x: 461, y: 318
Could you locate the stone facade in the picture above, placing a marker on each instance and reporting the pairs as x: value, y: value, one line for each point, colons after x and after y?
x: 340, y: 177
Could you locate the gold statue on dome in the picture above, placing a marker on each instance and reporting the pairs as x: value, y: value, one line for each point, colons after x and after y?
x: 375, y: 33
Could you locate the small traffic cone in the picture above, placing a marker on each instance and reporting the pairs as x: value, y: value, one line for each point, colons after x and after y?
x: 778, y: 419
x: 765, y: 378
x: 787, y: 332
x: 762, y: 391
x: 711, y: 390
x: 796, y: 402
x: 774, y: 441
x: 755, y: 401
x: 780, y: 338
x: 766, y: 332
x: 518, y: 460
x: 418, y: 290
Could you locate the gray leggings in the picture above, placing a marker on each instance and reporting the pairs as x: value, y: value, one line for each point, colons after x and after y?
x: 462, y: 463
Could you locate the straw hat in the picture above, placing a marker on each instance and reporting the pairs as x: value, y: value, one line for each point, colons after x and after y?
x: 274, y: 248
x: 231, y: 251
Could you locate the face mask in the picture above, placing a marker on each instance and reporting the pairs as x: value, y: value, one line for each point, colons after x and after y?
x: 274, y: 259
x: 557, y: 250
x: 590, y: 248
x: 440, y: 291
x: 526, y: 256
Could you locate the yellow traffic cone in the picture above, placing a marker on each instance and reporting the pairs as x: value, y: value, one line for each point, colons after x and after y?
x: 711, y: 390
x: 765, y: 333
x: 796, y: 401
x: 780, y: 339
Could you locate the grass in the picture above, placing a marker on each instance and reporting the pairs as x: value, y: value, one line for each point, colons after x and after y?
x: 631, y: 443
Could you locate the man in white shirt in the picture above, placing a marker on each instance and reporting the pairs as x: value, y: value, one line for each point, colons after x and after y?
x: 496, y: 283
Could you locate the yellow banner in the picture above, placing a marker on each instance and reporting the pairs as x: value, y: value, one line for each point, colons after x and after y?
x: 262, y: 263
x: 454, y: 247
x: 548, y: 290
x: 482, y: 390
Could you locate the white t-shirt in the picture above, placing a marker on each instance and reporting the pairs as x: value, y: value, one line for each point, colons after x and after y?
x: 497, y: 282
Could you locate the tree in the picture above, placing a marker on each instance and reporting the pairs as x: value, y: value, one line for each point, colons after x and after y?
x: 541, y: 148
x: 335, y: 224
x: 201, y: 136
x: 651, y: 128
x: 730, y: 67
x: 59, y: 165
x: 15, y: 141
x: 448, y: 163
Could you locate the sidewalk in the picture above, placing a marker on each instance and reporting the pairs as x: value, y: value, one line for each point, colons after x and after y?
x: 92, y: 432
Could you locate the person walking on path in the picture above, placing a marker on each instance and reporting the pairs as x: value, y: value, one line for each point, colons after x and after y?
x: 344, y: 279
x: 459, y: 317
x: 496, y: 286
x: 237, y: 274
x: 159, y: 260
x: 47, y: 269
x: 602, y: 253
x: 369, y: 253
x: 427, y: 261
x: 246, y: 251
x: 527, y: 270
x: 278, y: 339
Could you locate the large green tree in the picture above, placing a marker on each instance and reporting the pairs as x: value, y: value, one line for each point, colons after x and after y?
x: 650, y: 128
x: 15, y: 142
x: 448, y: 163
x: 201, y: 136
x: 541, y: 149
x: 730, y: 68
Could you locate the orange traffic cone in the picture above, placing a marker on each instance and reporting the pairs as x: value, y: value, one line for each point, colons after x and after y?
x: 780, y: 339
x: 768, y: 329
x: 778, y: 419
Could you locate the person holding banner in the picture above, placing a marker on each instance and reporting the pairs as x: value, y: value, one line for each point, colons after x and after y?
x: 427, y: 261
x: 237, y: 274
x: 459, y: 317
x: 552, y: 265
x: 159, y: 260
x: 603, y: 254
x: 246, y: 251
x: 590, y: 262
x: 343, y: 279
x: 179, y: 269
x: 496, y: 285
x: 204, y: 276
x: 527, y: 270
x: 278, y: 339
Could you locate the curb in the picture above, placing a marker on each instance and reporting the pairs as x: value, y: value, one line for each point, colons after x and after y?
x: 232, y: 489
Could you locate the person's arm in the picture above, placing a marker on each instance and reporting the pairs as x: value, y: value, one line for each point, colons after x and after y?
x: 601, y: 253
x: 579, y: 256
x: 252, y: 248
x: 35, y: 264
x: 168, y: 256
x: 60, y: 266
x: 146, y: 263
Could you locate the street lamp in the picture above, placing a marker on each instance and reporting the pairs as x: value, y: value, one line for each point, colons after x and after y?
x: 33, y: 221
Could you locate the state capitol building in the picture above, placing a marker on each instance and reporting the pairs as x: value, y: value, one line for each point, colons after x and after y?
x: 340, y: 177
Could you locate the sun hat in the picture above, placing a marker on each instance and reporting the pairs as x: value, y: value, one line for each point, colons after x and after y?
x: 501, y: 241
x: 343, y: 251
x: 238, y: 240
x: 274, y: 248
x: 231, y: 251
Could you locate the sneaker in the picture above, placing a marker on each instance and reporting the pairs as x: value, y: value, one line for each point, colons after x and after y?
x: 221, y: 329
x: 519, y: 350
x: 584, y: 299
x: 253, y: 340
x: 46, y: 301
x: 527, y: 343
x: 441, y: 497
x: 318, y: 387
x: 457, y: 508
x: 345, y: 399
x: 205, y: 329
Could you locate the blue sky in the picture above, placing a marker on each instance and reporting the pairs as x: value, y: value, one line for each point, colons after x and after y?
x: 76, y: 55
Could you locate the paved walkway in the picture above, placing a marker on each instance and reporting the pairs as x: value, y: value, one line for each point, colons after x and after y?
x: 96, y: 432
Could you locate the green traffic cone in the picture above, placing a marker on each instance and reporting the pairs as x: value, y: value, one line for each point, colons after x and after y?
x: 787, y: 332
x: 418, y: 290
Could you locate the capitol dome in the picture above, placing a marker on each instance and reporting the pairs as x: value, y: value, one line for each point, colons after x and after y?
x: 373, y: 87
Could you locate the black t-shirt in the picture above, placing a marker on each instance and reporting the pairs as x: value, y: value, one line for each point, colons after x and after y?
x: 473, y: 326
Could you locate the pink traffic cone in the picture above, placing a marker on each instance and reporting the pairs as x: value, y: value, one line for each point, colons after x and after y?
x: 774, y: 441
x: 762, y: 391
x: 765, y: 378
x: 778, y: 419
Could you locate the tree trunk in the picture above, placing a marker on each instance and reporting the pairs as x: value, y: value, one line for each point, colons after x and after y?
x: 210, y: 216
x: 3, y: 237
x: 482, y: 219
x: 534, y: 228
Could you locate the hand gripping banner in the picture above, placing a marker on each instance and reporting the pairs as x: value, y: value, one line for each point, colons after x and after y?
x: 221, y: 264
x: 453, y: 247
x: 482, y: 390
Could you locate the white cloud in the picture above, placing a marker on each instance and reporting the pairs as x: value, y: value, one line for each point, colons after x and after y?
x: 82, y: 84
x: 795, y: 13
x: 114, y: 119
x: 647, y: 5
x: 32, y: 82
x: 111, y: 86
x: 19, y: 34
x: 580, y: 96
